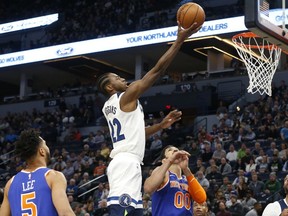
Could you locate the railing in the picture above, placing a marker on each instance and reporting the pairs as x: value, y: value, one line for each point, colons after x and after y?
x: 94, y: 188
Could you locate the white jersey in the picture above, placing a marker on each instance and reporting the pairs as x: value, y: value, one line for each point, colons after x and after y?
x: 127, y: 129
x: 273, y: 209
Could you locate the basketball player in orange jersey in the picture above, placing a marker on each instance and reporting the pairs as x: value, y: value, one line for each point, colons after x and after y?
x: 125, y: 119
x: 35, y: 190
x: 173, y: 186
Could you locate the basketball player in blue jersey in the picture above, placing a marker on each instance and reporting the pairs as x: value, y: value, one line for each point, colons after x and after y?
x: 125, y: 119
x: 173, y: 186
x: 35, y: 190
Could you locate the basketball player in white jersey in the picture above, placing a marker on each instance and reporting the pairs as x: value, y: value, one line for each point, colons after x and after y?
x: 125, y: 119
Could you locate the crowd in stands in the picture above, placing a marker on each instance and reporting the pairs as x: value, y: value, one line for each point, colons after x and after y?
x: 241, y: 161
x: 86, y: 19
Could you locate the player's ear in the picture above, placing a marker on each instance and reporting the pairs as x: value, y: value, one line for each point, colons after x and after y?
x: 41, y: 151
x: 108, y: 87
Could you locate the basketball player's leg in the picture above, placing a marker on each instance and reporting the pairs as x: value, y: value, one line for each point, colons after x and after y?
x: 125, y: 179
x: 117, y: 210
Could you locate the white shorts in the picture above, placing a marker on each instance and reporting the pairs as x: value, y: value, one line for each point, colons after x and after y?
x: 125, y: 181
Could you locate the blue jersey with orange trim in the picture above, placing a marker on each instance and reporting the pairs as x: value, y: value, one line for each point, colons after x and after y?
x: 173, y: 198
x: 29, y: 194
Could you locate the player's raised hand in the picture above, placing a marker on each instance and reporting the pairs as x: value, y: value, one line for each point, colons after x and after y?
x: 172, y: 117
x: 185, y: 33
x: 179, y: 156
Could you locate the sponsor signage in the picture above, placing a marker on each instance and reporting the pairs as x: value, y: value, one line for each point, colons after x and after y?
x: 28, y: 23
x: 214, y: 27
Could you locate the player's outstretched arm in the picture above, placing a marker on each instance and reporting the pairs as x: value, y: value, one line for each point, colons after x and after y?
x: 5, y: 206
x: 137, y: 88
x: 58, y: 188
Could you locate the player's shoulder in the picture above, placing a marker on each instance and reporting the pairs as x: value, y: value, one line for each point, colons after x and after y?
x: 272, y: 208
x: 54, y: 175
x: 8, y: 184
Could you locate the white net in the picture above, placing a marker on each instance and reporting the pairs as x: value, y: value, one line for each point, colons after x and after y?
x: 261, y: 59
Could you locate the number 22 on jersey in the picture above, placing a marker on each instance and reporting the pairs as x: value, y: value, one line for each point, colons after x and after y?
x: 115, y: 129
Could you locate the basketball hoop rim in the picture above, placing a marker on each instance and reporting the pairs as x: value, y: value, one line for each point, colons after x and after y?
x: 252, y: 35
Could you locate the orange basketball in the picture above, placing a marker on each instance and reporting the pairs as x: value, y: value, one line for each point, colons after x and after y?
x: 189, y: 13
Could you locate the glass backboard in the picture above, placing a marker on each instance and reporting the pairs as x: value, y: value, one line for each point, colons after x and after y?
x: 269, y: 20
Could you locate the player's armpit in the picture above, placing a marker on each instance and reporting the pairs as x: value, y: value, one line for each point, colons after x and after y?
x: 196, y: 191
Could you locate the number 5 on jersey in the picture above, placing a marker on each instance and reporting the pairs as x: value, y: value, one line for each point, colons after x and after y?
x: 28, y: 204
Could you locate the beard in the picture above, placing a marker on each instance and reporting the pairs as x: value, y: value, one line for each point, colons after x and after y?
x: 48, y: 158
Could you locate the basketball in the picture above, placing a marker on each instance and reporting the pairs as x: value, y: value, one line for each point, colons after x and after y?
x: 189, y: 13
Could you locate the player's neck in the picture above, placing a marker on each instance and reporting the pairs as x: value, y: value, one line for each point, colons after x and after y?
x: 176, y: 169
x: 32, y: 165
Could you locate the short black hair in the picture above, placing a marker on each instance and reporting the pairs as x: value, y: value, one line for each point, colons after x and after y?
x: 28, y: 143
x: 162, y: 155
x: 101, y: 82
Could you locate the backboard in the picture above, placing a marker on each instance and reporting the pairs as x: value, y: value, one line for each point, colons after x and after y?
x: 268, y: 19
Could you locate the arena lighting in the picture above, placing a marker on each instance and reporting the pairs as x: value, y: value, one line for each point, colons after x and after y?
x: 28, y: 23
x: 88, y: 58
x: 199, y: 50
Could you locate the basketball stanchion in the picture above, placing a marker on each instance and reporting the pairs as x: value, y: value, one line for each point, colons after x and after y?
x: 261, y: 59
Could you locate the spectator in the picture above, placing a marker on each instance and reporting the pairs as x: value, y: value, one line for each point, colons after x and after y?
x: 256, y: 150
x: 272, y: 185
x: 239, y: 166
x: 156, y: 145
x: 250, y: 135
x: 60, y: 162
x: 211, y: 163
x: 256, y: 186
x: 199, y: 166
x: 236, y: 209
x: 231, y: 156
x: 99, y: 169
x: 283, y: 152
x: 72, y: 188
x: 147, y: 210
x: 225, y: 183
x: 218, y: 154
x: 284, y: 131
x: 241, y: 173
x: 225, y: 168
x: 256, y: 211
x: 99, y: 138
x: 68, y: 171
x: 98, y: 194
x: 242, y: 151
x: 275, y: 164
x: 263, y: 166
x: 250, y: 166
x: 249, y: 201
x: 207, y: 154
x: 223, y: 210
x: 214, y: 177
x: 203, y: 181
x: 90, y: 140
x: 241, y: 188
x: 272, y: 150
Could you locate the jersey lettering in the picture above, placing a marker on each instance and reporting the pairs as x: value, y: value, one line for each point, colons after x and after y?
x: 28, y: 204
x: 182, y: 200
x: 115, y: 126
